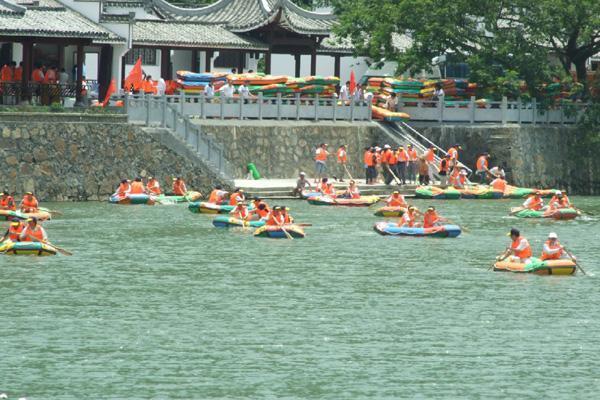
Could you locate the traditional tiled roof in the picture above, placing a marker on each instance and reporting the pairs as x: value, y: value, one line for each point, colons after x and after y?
x: 336, y: 45
x: 188, y: 34
x: 247, y: 15
x: 48, y: 18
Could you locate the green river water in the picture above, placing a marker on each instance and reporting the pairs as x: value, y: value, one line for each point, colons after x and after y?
x: 156, y: 303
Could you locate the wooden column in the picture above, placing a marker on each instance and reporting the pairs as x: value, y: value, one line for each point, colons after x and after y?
x: 105, y: 69
x: 165, y: 63
x: 61, y: 56
x: 79, y: 78
x: 195, y: 61
x: 313, y: 61
x: 268, y: 63
x: 27, y: 68
x: 298, y: 60
x: 241, y: 62
x: 208, y: 60
x: 337, y: 66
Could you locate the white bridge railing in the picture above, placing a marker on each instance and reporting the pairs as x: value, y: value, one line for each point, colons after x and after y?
x: 501, y: 112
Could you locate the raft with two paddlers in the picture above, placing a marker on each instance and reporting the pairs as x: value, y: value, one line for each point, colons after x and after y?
x: 27, y: 249
x: 538, y: 267
x: 222, y: 221
x: 363, y: 201
x: 132, y: 199
x: 392, y: 229
x: 189, y: 197
x: 390, y: 212
x: 276, y: 232
x: 561, y: 213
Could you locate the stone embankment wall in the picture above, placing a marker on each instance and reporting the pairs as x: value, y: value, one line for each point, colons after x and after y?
x: 534, y: 156
x: 62, y: 157
x: 281, y: 149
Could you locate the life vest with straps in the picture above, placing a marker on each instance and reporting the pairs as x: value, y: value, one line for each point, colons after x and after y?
x: 137, y: 187
x: 15, y: 231
x: 321, y: 154
x: 7, y: 203
x: 396, y: 201
x: 216, y: 196
x: 551, y: 251
x: 29, y: 204
x: 482, y: 163
x: 153, y: 186
x: 499, y: 185
x: 521, y: 242
x: 276, y: 219
x: 124, y: 188
x: 429, y: 219
x: 179, y: 188
x: 412, y: 155
x: 407, y: 219
x: 342, y: 156
x: 37, y: 232
x: 534, y: 203
x: 235, y: 198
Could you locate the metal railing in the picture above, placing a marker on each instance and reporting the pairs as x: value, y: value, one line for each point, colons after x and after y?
x: 261, y: 107
x: 14, y: 93
x: 502, y: 112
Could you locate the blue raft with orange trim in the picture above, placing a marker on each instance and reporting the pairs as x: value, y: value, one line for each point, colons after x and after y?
x: 392, y: 229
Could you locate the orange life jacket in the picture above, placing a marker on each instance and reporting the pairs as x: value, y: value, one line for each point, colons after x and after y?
x: 153, y: 186
x: 235, y: 198
x: 429, y: 219
x: 453, y: 153
x: 321, y: 154
x: 329, y: 190
x: 18, y: 75
x: 262, y: 213
x: 148, y: 87
x: 50, y: 77
x: 179, y: 188
x: 342, y: 156
x: 398, y: 201
x: 534, y: 203
x: 412, y: 155
x: 137, y: 187
x: 407, y: 220
x: 393, y: 158
x: 7, y: 203
x: 354, y: 193
x: 482, y: 163
x: 552, y: 256
x: 403, y: 156
x: 526, y: 252
x: 564, y: 202
x: 15, y: 231
x: 37, y: 233
x: 216, y: 196
x: 275, y: 219
x: 368, y: 159
x: 29, y: 204
x: 499, y: 184
x: 286, y: 218
x: 384, y: 157
x: 6, y: 74
x: 124, y: 188
x: 429, y: 156
x: 241, y: 214
x: 37, y: 75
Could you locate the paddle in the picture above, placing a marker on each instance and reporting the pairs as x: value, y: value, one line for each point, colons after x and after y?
x: 60, y: 249
x: 286, y: 232
x: 348, y: 172
x: 574, y: 260
x: 501, y: 258
x: 398, y: 182
x: 304, y: 225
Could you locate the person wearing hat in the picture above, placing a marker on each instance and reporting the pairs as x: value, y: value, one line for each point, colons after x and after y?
x: 320, y: 161
x: 236, y: 197
x: 301, y: 184
x: 287, y: 218
x: 519, y: 250
x: 179, y: 187
x: 13, y: 232
x: 153, y: 186
x: 29, y: 204
x: 409, y: 218
x: 411, y: 173
x: 342, y: 160
x: 33, y: 232
x: 217, y: 196
x: 534, y: 202
x: 7, y: 202
x: 396, y: 200
x: 431, y: 218
x: 552, y: 249
x: 565, y: 202
x: 240, y: 211
x: 481, y: 167
x: 124, y: 187
x: 137, y: 186
x: 275, y: 217
x: 499, y: 184
x: 555, y: 202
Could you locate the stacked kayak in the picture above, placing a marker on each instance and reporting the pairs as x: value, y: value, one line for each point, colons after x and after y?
x: 223, y: 221
x: 390, y: 211
x: 538, y: 267
x: 132, y: 199
x: 392, y: 229
x: 562, y: 213
x: 387, y: 115
x: 437, y: 193
x: 8, y: 215
x: 27, y: 249
x: 363, y: 201
x: 275, y: 232
x: 203, y: 207
x: 480, y: 192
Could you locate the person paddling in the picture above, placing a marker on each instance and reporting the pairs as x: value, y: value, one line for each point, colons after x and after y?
x: 217, y: 195
x: 499, y: 184
x: 552, y: 249
x: 396, y: 200
x: 179, y: 187
x: 137, y: 186
x: 29, y: 204
x: 13, y: 232
x: 534, y: 202
x: 276, y: 218
x: 237, y: 197
x: 409, y: 218
x: 431, y: 218
x: 7, y: 202
x: 287, y: 218
x: 33, y: 232
x: 124, y: 187
x: 352, y: 192
x: 519, y: 250
x: 260, y: 212
x: 240, y: 211
x: 153, y: 186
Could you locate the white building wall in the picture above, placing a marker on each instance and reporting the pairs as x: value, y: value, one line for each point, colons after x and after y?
x: 284, y: 64
x: 180, y: 60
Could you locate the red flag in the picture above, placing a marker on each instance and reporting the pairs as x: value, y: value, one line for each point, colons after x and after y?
x: 135, y: 77
x: 352, y: 82
x: 112, y: 89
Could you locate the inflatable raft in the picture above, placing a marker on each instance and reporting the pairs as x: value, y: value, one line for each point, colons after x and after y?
x: 390, y: 211
x: 132, y: 199
x: 538, y: 267
x: 27, y: 249
x: 275, y: 232
x: 392, y: 229
x: 309, y: 193
x: 513, y: 192
x: 9, y: 215
x: 190, y: 196
x: 562, y: 213
x: 223, y: 221
x: 480, y: 193
x: 437, y: 193
x: 202, y: 207
x: 363, y: 201
x: 386, y: 115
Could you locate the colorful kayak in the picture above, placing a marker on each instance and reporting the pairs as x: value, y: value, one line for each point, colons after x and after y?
x: 392, y: 229
x: 27, y: 249
x: 436, y: 193
x: 538, y: 267
x: 513, y: 192
x: 190, y: 196
x: 363, y: 201
x: 480, y: 192
x: 562, y: 213
x: 307, y: 194
x: 132, y: 199
x: 223, y: 221
x: 275, y: 232
x: 390, y: 211
x: 8, y: 215
x: 202, y: 207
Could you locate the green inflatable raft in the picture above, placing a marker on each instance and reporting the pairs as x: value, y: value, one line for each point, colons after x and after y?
x: 436, y: 193
x: 563, y: 213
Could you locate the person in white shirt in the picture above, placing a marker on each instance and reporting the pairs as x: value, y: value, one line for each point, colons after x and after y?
x: 209, y: 91
x: 161, y: 87
x: 439, y: 91
x: 227, y: 91
x: 344, y: 92
x: 244, y: 91
x: 357, y: 96
x: 63, y: 77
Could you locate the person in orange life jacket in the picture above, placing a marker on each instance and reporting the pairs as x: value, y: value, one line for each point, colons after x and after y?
x: 29, y: 204
x: 409, y: 218
x: 370, y: 165
x: 453, y: 152
x: 7, y: 202
x: 217, y: 195
x: 431, y: 218
x: 287, y: 218
x: 396, y: 200
x: 137, y: 186
x: 342, y: 160
x: 153, y: 186
x: 179, y: 187
x: 402, y: 166
x: 6, y: 73
x: 148, y: 85
x: 320, y: 161
x: 482, y: 167
x: 33, y: 232
x: 330, y: 191
x: 411, y: 173
x: 124, y: 187
x: 565, y: 202
x: 444, y: 170
x: 322, y: 187
x: 430, y: 158
x: 555, y: 202
x: 257, y: 201
x: 519, y: 250
x: 275, y: 217
x: 385, y: 167
x: 236, y: 197
x: 18, y: 72
x: 534, y: 202
x: 260, y: 213
x: 240, y: 211
x: 13, y: 232
x: 499, y: 184
x: 552, y: 249
x: 352, y: 191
